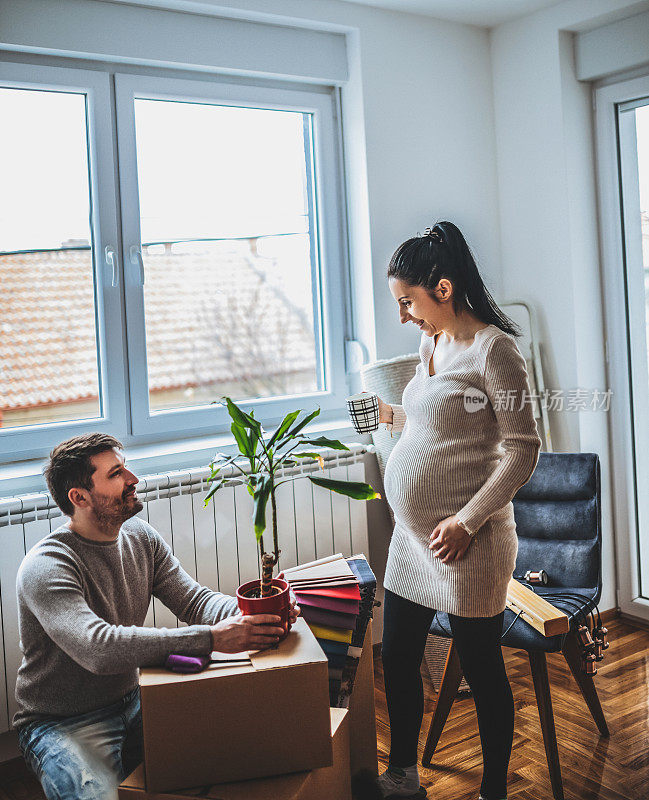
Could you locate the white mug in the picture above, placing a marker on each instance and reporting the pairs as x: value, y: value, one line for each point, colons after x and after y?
x: 363, y: 411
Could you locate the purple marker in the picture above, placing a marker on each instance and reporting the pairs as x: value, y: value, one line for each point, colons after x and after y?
x: 191, y: 664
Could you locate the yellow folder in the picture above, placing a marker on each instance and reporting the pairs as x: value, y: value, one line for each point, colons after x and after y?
x: 333, y: 634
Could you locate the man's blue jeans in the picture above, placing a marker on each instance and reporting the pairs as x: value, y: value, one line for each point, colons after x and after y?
x: 87, y: 756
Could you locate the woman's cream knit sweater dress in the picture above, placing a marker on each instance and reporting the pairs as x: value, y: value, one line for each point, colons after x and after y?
x: 469, y: 441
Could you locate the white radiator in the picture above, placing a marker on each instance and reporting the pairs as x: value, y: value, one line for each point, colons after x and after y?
x: 216, y: 545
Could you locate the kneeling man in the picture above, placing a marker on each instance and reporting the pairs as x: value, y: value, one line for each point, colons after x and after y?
x: 83, y: 595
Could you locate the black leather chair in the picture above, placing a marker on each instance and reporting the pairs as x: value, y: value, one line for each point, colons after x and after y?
x: 558, y: 521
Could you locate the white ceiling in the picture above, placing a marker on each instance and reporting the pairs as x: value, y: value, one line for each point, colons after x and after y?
x: 487, y: 13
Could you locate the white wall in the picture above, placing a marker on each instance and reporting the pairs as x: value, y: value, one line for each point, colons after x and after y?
x: 430, y: 147
x: 548, y: 216
x: 616, y: 47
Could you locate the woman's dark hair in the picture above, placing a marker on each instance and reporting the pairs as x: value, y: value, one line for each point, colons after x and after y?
x: 442, y: 252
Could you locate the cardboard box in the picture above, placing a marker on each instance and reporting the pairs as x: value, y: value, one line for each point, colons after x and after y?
x: 362, y: 713
x: 238, y: 721
x: 326, y: 783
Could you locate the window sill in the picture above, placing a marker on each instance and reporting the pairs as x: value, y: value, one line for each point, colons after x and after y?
x: 26, y: 477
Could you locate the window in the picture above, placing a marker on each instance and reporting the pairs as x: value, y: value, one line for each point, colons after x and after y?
x: 623, y: 163
x: 46, y: 257
x: 158, y: 251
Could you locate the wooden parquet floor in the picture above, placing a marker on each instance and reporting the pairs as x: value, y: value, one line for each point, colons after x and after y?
x: 593, y: 768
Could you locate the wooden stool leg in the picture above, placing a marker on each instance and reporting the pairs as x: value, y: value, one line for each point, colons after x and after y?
x: 585, y: 682
x: 445, y: 696
x: 544, y: 702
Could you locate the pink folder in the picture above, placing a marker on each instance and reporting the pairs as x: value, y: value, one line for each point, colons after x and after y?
x: 341, y: 592
x: 329, y: 603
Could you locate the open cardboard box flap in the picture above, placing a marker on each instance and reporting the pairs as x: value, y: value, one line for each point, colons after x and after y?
x: 299, y: 647
x: 296, y: 649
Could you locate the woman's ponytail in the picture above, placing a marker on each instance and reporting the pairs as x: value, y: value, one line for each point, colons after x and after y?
x: 442, y: 252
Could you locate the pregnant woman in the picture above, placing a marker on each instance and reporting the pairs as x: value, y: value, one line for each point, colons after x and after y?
x: 469, y: 441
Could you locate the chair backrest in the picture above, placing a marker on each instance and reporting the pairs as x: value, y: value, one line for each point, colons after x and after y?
x: 559, y: 521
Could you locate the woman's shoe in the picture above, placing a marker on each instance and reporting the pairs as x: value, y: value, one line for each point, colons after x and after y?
x: 395, y: 783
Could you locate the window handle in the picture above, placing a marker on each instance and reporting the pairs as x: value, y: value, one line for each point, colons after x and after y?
x: 136, y: 258
x: 111, y: 261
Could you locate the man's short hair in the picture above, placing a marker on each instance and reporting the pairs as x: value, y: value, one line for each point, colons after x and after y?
x: 70, y: 467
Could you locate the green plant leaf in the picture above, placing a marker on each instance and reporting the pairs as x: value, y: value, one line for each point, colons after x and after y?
x: 292, y: 432
x: 354, y: 489
x: 254, y: 419
x: 259, y: 513
x: 239, y: 416
x: 322, y: 441
x: 216, y: 485
x: 241, y: 438
x: 254, y: 436
x: 253, y: 439
x: 288, y: 420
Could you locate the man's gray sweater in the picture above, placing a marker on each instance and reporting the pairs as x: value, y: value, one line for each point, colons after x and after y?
x: 81, y: 607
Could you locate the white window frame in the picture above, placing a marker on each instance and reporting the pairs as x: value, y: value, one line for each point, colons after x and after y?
x: 35, y: 440
x: 328, y: 250
x: 115, y: 222
x: 626, y: 357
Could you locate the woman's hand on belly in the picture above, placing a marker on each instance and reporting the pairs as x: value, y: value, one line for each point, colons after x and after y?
x: 449, y: 542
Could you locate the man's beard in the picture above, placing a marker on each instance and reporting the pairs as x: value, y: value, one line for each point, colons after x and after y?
x: 111, y: 512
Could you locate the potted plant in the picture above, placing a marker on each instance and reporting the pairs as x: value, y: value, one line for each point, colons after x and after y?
x: 266, y: 457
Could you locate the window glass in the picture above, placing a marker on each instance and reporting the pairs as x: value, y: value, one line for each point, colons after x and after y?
x: 229, y: 292
x: 48, y: 340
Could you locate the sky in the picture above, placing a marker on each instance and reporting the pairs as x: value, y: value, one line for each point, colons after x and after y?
x: 208, y: 171
x: 44, y: 198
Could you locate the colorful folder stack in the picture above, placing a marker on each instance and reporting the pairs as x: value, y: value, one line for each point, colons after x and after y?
x: 329, y: 595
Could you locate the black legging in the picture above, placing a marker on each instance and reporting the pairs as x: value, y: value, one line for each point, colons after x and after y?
x: 405, y: 627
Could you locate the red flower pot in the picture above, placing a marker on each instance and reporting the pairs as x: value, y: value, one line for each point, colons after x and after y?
x: 278, y: 603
